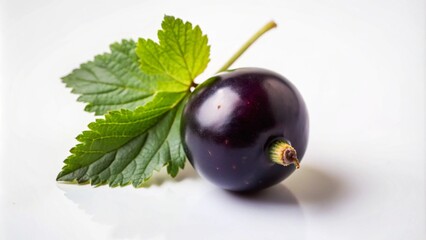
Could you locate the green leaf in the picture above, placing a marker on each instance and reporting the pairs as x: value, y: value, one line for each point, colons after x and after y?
x: 127, y: 146
x: 114, y: 81
x: 144, y: 99
x: 182, y: 52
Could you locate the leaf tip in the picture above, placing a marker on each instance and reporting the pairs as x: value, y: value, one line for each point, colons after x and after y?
x: 61, y: 176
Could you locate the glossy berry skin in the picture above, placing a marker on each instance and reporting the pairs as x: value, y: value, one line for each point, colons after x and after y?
x: 230, y: 121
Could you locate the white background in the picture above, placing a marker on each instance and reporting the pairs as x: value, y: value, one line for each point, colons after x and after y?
x: 360, y: 66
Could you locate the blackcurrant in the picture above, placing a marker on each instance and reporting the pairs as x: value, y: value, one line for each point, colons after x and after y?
x: 245, y: 129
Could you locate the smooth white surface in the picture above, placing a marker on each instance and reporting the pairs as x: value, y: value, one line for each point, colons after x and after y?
x: 359, y: 64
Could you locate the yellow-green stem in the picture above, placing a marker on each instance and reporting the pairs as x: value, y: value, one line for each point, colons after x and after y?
x: 270, y: 25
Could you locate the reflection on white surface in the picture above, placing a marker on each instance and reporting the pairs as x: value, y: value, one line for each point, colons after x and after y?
x: 204, y: 212
x: 193, y: 207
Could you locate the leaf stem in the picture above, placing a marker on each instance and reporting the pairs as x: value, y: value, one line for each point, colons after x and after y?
x: 270, y: 25
x: 193, y: 84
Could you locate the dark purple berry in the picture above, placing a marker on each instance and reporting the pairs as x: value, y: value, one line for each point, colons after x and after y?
x: 245, y: 129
